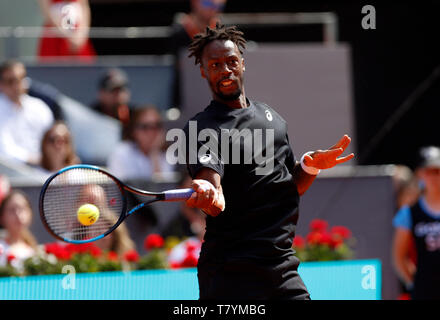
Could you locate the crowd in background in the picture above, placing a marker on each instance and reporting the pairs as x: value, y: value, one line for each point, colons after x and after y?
x: 34, y: 133
x: 31, y: 135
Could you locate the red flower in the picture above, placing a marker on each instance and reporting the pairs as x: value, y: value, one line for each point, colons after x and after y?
x: 153, y: 241
x: 318, y: 225
x: 60, y: 251
x: 64, y: 255
x: 10, y: 257
x: 112, y: 256
x: 189, y: 261
x: 71, y: 247
x: 79, y: 248
x: 95, y: 251
x: 314, y: 237
x: 326, y: 239
x: 131, y: 256
x: 341, y: 231
x: 175, y: 265
x: 52, y: 248
x: 299, y: 242
x: 336, y: 242
x: 192, y: 246
x: 82, y: 248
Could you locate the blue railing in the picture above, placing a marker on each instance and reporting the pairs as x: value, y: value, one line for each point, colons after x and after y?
x: 336, y: 280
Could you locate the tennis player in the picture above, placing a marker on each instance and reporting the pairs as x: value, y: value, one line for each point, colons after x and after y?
x: 247, y: 250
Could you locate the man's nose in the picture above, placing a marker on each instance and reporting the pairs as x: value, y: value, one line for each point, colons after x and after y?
x: 225, y: 69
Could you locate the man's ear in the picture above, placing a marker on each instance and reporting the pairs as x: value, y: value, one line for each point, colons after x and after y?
x: 242, y: 62
x: 202, y: 72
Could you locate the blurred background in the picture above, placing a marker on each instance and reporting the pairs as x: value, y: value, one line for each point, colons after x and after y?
x: 385, y: 65
x: 312, y: 61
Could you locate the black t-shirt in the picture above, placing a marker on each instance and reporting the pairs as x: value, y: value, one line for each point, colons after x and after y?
x: 261, y: 203
x: 426, y: 232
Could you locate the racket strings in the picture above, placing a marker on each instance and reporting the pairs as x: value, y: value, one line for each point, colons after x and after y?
x: 73, y: 188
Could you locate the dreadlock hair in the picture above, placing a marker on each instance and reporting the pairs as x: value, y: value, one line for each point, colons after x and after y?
x: 220, y: 32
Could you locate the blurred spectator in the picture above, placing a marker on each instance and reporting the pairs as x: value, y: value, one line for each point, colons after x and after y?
x: 421, y: 222
x: 23, y: 119
x: 5, y: 187
x: 407, y: 192
x: 70, y: 22
x: 114, y: 97
x: 119, y: 240
x: 57, y: 149
x: 48, y: 94
x: 203, y: 13
x: 406, y: 186
x: 142, y: 155
x: 17, y: 241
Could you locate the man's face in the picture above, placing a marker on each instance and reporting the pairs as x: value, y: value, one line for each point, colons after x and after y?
x: 114, y: 98
x: 223, y: 67
x: 12, y: 82
x: 431, y: 177
x: 148, y: 132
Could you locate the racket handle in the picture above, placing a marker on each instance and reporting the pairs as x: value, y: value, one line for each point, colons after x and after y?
x: 178, y: 194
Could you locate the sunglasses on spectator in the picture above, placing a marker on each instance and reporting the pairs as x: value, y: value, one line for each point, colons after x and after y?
x: 149, y: 126
x: 209, y: 4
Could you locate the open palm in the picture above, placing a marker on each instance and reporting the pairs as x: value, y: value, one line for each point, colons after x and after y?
x: 325, y: 159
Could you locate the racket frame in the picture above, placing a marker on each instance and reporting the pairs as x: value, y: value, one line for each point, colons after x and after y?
x: 158, y: 196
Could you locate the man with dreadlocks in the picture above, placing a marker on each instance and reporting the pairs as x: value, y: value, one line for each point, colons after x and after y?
x: 247, y: 250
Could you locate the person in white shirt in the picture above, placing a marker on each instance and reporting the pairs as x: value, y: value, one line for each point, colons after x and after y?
x: 23, y: 119
x: 142, y: 155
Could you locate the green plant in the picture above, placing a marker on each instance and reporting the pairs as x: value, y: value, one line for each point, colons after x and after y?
x: 8, y: 271
x: 155, y: 259
x: 52, y: 257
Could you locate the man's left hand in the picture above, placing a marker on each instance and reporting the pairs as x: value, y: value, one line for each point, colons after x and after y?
x: 325, y: 159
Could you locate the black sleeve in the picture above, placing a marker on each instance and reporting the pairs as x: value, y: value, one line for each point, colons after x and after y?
x: 204, y: 153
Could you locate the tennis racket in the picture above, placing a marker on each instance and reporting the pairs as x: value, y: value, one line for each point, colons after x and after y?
x: 67, y: 190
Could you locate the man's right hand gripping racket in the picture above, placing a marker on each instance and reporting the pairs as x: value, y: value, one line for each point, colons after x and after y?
x: 84, y: 203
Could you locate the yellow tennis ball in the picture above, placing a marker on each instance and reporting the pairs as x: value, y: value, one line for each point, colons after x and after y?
x: 88, y: 214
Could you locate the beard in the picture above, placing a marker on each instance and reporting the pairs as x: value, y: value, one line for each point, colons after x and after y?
x: 231, y: 96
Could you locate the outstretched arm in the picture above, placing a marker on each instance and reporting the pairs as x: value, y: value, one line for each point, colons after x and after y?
x: 304, y: 172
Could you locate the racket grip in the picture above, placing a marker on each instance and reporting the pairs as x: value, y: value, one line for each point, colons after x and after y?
x: 178, y: 194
